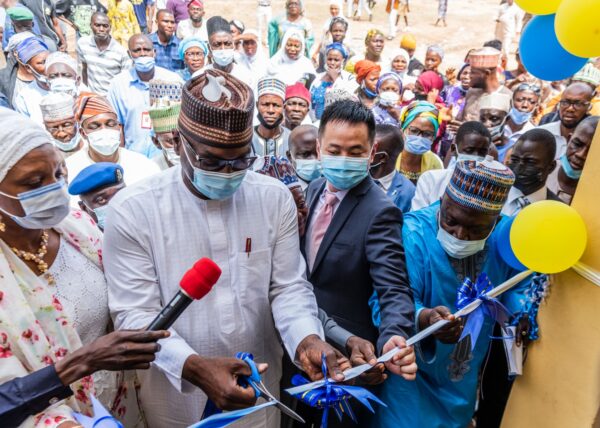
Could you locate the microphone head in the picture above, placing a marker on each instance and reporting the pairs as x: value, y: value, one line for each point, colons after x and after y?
x: 199, y: 280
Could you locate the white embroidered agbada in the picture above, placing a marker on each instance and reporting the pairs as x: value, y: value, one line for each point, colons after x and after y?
x: 288, y: 70
x: 156, y: 230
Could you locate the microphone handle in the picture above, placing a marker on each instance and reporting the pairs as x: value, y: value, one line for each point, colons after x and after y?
x: 171, y: 312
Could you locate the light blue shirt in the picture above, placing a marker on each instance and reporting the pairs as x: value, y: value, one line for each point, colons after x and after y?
x: 130, y: 97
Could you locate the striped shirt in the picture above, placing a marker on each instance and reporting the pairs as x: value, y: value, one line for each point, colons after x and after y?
x: 102, y: 66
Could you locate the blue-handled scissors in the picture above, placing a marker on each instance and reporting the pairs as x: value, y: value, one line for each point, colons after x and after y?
x: 260, y: 390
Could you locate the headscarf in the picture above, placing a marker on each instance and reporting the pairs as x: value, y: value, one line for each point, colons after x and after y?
x: 90, y: 104
x: 29, y: 48
x: 192, y: 42
x: 338, y: 47
x: 420, y: 109
x: 436, y: 49
x: 291, y: 70
x: 18, y: 136
x: 404, y: 54
x: 372, y: 33
x: 61, y: 58
x: 389, y: 76
x: 430, y: 80
x: 300, y: 3
x: 17, y: 38
x: 363, y: 68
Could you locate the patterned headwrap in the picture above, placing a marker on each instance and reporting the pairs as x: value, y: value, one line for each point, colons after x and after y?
x: 29, y: 48
x: 279, y: 168
x: 420, y: 109
x: 217, y: 110
x: 372, y: 33
x: 338, y: 47
x: 363, y: 68
x: 481, y: 186
x: 192, y: 42
x: 18, y: 136
x: 389, y: 76
x: 90, y: 104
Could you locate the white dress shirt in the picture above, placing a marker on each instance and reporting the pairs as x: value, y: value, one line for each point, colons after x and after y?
x: 156, y: 230
x: 516, y: 200
x: 561, y: 142
x: 431, y: 187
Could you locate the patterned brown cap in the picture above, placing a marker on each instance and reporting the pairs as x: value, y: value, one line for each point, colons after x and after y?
x: 217, y: 110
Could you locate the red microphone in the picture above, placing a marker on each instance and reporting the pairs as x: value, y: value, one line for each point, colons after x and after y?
x: 195, y: 284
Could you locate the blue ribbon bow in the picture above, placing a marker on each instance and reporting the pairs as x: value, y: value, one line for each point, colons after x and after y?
x: 334, y: 396
x: 490, y: 307
x: 534, y: 297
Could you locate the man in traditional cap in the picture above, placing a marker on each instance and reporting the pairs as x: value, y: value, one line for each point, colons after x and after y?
x: 194, y: 25
x: 61, y: 72
x: 493, y: 111
x: 101, y: 130
x: 33, y: 53
x: 101, y: 56
x: 248, y: 225
x: 166, y: 43
x: 484, y: 80
x: 58, y: 112
x: 446, y: 244
x: 165, y: 105
x: 96, y: 185
x: 128, y: 94
x: 222, y: 51
x: 20, y: 17
x: 296, y: 106
x: 270, y: 137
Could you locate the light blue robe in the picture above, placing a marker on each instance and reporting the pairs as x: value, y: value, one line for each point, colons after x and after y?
x: 439, y: 399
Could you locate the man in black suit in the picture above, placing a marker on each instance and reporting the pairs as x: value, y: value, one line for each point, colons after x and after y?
x: 353, y: 243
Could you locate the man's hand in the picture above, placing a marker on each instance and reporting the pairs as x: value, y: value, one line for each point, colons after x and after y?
x: 451, y: 332
x: 218, y: 378
x: 361, y: 352
x: 404, y: 362
x: 309, y: 354
x: 453, y: 126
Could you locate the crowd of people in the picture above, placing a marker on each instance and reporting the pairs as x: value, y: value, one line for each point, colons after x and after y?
x: 346, y: 196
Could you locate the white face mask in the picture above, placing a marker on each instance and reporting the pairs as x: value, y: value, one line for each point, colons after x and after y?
x: 223, y: 57
x: 172, y: 157
x: 389, y: 98
x: 105, y: 141
x: 44, y: 207
x: 458, y: 248
x: 64, y: 84
x: 69, y: 145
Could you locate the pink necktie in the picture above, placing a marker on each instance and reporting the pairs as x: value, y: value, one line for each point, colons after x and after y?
x: 322, y: 221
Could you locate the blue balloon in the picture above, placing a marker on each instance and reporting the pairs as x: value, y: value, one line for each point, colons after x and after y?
x: 541, y: 53
x: 503, y: 244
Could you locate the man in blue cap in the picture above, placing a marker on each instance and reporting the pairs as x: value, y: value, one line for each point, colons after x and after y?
x: 96, y: 185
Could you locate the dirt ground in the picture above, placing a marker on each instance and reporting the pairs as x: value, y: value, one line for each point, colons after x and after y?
x: 470, y: 23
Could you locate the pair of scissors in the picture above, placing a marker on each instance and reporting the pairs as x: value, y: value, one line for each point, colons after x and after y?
x: 260, y: 390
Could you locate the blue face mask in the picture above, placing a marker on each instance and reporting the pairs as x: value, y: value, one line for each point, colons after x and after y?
x: 572, y: 173
x: 519, y: 117
x: 417, y: 145
x: 344, y: 172
x: 308, y: 169
x: 216, y: 185
x: 144, y: 64
x: 368, y: 92
x: 101, y: 215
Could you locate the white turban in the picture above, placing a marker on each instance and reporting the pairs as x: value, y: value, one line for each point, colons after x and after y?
x: 18, y: 136
x: 63, y: 58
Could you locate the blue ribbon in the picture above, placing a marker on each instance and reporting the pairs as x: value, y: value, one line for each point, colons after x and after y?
x: 223, y: 419
x: 334, y: 396
x: 101, y: 418
x: 489, y: 307
x: 534, y: 295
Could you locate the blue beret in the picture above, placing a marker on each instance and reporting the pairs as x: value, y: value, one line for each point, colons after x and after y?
x: 96, y: 176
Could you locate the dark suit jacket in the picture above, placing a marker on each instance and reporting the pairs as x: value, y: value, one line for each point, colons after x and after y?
x: 362, y: 251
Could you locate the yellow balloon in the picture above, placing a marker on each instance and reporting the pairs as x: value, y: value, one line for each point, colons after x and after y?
x: 539, y: 7
x: 548, y: 237
x: 577, y: 27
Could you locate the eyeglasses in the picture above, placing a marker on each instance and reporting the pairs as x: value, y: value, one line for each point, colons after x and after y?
x: 67, y: 126
x: 214, y: 164
x: 578, y: 105
x: 529, y: 87
x: 419, y: 133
